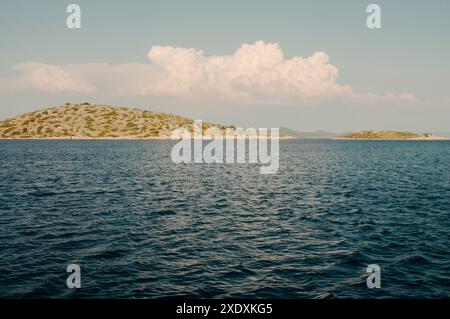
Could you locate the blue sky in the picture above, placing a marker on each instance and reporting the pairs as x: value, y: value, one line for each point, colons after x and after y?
x: 408, y: 55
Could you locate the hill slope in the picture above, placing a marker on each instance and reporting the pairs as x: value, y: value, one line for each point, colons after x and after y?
x: 85, y: 121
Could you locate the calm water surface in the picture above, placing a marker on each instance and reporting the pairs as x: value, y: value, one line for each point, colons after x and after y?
x: 142, y: 227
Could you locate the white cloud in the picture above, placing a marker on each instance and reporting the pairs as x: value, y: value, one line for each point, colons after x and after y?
x: 46, y: 77
x: 254, y: 72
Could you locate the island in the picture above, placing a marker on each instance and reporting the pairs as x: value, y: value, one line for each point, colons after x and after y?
x: 389, y: 135
x: 88, y: 121
x: 97, y: 121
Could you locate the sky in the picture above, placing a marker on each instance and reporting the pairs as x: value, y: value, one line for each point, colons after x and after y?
x: 307, y: 65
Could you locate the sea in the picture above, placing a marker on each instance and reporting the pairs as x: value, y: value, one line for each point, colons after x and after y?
x: 140, y: 226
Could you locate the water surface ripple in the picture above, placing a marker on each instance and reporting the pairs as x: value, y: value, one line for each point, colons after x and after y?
x: 141, y: 226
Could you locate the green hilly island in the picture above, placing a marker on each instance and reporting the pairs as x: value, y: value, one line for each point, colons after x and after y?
x: 86, y: 121
x: 389, y: 135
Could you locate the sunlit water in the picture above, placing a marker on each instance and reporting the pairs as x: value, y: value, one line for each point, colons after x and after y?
x: 141, y: 226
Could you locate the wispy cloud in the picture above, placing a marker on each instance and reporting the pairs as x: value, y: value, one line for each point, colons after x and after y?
x: 46, y: 77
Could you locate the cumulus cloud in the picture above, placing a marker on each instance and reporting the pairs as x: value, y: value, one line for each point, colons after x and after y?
x: 254, y: 72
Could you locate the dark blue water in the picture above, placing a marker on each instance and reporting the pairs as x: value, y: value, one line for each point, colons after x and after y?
x: 142, y: 227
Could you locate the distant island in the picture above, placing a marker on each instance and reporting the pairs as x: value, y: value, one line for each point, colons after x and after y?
x: 389, y: 135
x: 284, y: 131
x: 94, y: 121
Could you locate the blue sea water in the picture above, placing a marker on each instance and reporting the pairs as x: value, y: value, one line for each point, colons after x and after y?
x: 141, y: 226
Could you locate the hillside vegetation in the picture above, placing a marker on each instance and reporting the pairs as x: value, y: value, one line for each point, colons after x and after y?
x: 85, y: 121
x: 383, y: 135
